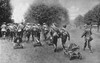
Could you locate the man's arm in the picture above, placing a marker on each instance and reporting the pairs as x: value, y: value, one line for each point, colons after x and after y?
x: 83, y: 34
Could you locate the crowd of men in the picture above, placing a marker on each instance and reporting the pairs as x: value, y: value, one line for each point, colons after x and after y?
x: 18, y: 31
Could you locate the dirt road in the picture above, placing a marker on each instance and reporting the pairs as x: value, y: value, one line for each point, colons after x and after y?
x: 45, y: 53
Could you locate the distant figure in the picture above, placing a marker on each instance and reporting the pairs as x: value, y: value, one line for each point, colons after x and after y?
x: 3, y: 30
x: 88, y: 38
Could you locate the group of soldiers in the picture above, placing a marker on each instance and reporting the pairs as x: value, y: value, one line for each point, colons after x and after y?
x: 16, y: 31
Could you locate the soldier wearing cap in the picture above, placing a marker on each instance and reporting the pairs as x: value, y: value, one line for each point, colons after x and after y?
x: 88, y: 38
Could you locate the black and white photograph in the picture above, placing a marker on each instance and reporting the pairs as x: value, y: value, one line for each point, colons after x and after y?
x: 49, y: 31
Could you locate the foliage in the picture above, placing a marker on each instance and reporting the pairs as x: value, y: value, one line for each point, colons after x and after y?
x: 93, y: 16
x: 5, y: 11
x: 79, y: 20
x: 47, y: 14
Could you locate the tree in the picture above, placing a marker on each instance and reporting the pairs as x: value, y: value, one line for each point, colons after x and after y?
x: 47, y: 14
x: 96, y: 12
x: 79, y: 20
x: 5, y: 11
x: 93, y: 16
x: 89, y: 17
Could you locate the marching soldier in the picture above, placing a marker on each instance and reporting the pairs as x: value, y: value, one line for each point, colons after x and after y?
x: 20, y: 30
x: 38, y: 31
x: 55, y: 36
x: 88, y: 38
x: 52, y: 30
x: 12, y: 30
x: 45, y: 30
x: 36, y: 34
x: 64, y: 36
x: 34, y: 31
x: 28, y: 31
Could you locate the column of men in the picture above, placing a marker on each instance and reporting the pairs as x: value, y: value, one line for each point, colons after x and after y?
x: 17, y: 31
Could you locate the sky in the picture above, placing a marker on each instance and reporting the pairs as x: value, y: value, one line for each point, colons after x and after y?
x: 74, y: 7
x: 77, y: 7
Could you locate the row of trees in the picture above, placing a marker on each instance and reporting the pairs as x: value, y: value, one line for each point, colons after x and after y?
x: 91, y: 17
x: 43, y: 13
x: 5, y: 11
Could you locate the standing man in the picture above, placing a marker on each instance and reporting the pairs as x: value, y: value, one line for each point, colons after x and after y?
x: 88, y: 38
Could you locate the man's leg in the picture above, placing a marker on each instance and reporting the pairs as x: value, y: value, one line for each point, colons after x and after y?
x: 63, y: 43
x: 85, y: 44
x: 89, y: 46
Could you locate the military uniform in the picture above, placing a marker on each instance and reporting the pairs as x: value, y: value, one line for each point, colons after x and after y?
x: 34, y: 31
x: 28, y: 31
x: 64, y: 36
x: 88, y: 38
x: 45, y: 31
x: 20, y: 30
x: 38, y: 32
x: 12, y: 31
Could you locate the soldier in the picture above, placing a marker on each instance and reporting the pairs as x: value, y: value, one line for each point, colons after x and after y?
x: 20, y: 30
x: 3, y: 30
x: 52, y: 30
x: 38, y: 31
x: 34, y: 31
x: 55, y: 36
x: 64, y: 36
x: 88, y: 38
x: 27, y: 31
x: 11, y: 28
x: 45, y: 30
